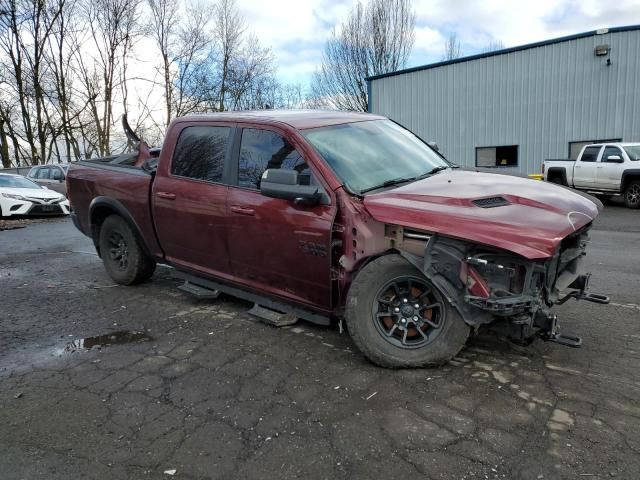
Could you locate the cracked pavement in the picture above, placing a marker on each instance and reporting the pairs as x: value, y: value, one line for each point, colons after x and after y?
x: 216, y: 394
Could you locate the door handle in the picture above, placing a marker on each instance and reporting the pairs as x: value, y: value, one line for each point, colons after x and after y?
x: 243, y: 210
x: 599, y: 166
x: 166, y: 195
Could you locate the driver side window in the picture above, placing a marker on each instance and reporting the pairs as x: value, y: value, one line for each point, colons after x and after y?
x: 609, y: 151
x: 264, y: 149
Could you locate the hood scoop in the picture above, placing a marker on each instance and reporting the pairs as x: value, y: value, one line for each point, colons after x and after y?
x: 491, y: 202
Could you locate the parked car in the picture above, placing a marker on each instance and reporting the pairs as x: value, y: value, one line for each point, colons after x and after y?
x: 604, y: 169
x: 334, y: 215
x: 51, y: 176
x: 21, y: 196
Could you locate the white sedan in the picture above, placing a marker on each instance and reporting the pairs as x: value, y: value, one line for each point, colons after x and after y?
x: 20, y: 196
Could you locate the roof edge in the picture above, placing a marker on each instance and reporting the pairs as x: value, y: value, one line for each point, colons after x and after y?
x: 504, y: 51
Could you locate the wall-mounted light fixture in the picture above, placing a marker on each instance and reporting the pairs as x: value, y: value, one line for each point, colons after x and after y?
x: 602, y: 50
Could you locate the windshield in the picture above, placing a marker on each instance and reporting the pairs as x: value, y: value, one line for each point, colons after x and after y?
x: 633, y: 151
x: 16, y: 182
x: 365, y: 155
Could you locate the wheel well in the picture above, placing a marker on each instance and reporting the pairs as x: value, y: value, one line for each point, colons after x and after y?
x: 628, y: 179
x: 555, y: 173
x: 98, y: 216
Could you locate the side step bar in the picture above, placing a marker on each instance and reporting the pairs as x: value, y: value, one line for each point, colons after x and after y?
x: 263, y: 303
x: 198, y: 291
x: 272, y: 317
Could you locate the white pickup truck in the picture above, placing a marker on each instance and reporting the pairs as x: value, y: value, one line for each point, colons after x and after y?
x: 605, y: 169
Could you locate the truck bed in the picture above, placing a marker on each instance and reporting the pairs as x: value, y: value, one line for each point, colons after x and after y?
x: 89, y: 180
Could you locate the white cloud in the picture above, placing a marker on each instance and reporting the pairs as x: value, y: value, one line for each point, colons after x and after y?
x: 296, y: 30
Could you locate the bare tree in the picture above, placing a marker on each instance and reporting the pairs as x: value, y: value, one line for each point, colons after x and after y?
x: 452, y: 47
x: 184, y: 44
x: 493, y: 46
x: 376, y: 38
x: 163, y: 29
x: 112, y: 24
x: 25, y: 28
x: 229, y: 29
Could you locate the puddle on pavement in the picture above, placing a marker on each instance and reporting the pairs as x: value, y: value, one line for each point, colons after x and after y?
x: 113, y: 338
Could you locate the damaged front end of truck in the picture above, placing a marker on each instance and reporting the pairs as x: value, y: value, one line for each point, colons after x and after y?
x: 510, y: 293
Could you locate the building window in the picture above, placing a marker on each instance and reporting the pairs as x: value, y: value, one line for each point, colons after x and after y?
x: 576, y: 147
x: 505, y: 156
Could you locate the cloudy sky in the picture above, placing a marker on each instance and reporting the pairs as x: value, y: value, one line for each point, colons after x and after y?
x: 297, y: 29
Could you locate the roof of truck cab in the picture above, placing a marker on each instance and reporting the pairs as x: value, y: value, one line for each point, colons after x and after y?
x: 299, y: 119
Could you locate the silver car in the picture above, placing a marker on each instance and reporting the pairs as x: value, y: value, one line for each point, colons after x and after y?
x: 50, y: 176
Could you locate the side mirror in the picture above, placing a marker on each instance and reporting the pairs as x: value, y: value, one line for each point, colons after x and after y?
x: 434, y: 145
x: 615, y: 159
x: 283, y: 184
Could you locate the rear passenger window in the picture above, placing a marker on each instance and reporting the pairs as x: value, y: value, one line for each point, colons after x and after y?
x: 590, y: 154
x: 263, y: 149
x: 200, y: 153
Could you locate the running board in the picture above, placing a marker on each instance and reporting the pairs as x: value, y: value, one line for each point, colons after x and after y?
x: 198, y: 291
x: 261, y: 300
x: 272, y: 317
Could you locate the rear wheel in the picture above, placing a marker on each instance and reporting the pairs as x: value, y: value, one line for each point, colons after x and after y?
x: 557, y: 180
x: 398, y: 318
x: 123, y: 258
x: 632, y: 194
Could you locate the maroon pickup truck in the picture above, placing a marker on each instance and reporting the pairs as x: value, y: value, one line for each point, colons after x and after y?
x: 329, y: 216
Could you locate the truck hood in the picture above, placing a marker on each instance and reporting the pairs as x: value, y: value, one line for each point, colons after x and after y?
x: 532, y: 221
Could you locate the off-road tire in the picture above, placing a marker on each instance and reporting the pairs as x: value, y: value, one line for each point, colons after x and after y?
x: 137, y: 267
x: 362, y: 328
x: 632, y: 194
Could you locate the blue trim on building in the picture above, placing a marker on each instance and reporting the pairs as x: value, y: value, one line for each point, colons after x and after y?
x: 368, y: 95
x: 500, y: 52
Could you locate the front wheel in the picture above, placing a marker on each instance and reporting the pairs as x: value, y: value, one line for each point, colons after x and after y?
x: 632, y: 194
x: 398, y: 318
x: 125, y: 261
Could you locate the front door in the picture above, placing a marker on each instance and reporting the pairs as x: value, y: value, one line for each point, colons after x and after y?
x: 609, y: 174
x: 275, y: 245
x: 584, y: 171
x: 189, y: 200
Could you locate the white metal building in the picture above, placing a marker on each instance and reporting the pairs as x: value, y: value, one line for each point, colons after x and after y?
x: 513, y: 108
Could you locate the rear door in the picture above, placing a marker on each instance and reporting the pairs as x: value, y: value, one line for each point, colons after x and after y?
x: 609, y: 173
x: 584, y: 171
x: 56, y: 179
x: 275, y: 245
x: 189, y: 198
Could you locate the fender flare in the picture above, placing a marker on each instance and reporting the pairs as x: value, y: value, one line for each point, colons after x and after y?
x: 116, y: 208
x: 627, y: 176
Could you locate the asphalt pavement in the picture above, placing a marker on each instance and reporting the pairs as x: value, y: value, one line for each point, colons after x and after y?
x: 193, y: 389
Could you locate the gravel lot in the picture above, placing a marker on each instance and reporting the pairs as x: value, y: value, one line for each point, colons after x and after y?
x: 215, y: 394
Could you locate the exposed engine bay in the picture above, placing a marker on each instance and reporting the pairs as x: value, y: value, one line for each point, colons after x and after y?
x: 492, y: 286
